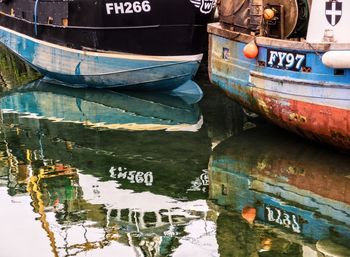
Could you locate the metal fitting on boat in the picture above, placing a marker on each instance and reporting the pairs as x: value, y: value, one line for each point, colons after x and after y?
x: 328, y: 35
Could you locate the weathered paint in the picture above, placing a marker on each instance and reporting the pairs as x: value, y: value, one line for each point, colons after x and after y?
x: 258, y: 168
x: 95, y: 69
x: 315, y: 104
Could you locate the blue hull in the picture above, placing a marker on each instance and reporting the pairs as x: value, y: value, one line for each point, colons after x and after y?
x: 300, y: 93
x: 101, y: 70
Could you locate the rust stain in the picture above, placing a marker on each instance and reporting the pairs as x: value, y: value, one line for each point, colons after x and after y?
x: 297, y: 118
x: 324, y: 123
x: 319, y: 122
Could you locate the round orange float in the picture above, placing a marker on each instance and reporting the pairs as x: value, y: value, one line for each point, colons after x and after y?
x: 251, y: 50
x: 269, y: 14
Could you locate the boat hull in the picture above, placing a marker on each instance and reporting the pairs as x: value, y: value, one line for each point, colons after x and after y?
x: 313, y: 102
x: 80, y: 68
x: 157, y: 27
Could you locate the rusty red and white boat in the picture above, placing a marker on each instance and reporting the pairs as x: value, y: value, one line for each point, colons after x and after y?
x: 287, y: 60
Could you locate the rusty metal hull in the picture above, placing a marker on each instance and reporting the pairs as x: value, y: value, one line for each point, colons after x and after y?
x: 313, y: 102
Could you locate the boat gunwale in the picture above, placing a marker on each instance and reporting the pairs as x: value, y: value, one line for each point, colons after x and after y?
x: 225, y: 31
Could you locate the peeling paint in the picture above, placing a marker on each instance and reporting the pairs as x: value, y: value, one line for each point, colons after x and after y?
x: 95, y: 69
x: 297, y: 118
x: 315, y: 104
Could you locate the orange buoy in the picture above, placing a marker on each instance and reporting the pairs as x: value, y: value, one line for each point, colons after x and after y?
x: 250, y: 50
x: 269, y: 14
x: 249, y: 214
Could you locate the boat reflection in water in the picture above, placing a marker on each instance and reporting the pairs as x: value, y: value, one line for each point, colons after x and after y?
x: 104, y: 170
x: 298, y: 191
x: 103, y: 173
x: 105, y: 108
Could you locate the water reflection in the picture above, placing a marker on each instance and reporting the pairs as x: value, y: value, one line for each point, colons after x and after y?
x: 92, y: 187
x: 13, y: 71
x: 104, y: 108
x: 88, y: 172
x: 91, y: 172
x: 294, y: 196
x: 106, y: 170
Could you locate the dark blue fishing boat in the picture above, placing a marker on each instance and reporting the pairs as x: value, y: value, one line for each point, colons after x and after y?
x: 135, y: 44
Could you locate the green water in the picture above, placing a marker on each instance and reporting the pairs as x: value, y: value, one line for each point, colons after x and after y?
x: 85, y: 173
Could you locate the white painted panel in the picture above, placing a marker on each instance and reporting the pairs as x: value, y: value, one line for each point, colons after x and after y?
x: 318, y: 21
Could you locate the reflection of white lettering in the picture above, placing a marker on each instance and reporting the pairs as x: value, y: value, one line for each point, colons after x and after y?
x: 273, y: 55
x: 122, y: 174
x: 204, y: 178
x: 201, y: 183
x: 196, y: 185
x: 286, y: 220
x: 283, y: 218
x: 133, y: 176
x: 295, y: 225
x: 112, y: 172
x: 128, y: 7
x: 148, y: 178
x: 279, y: 216
x: 139, y: 177
x: 270, y: 214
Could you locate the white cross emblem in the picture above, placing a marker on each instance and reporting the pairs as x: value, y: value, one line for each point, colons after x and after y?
x: 333, y: 11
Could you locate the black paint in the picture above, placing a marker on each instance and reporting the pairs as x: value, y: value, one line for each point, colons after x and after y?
x: 172, y: 27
